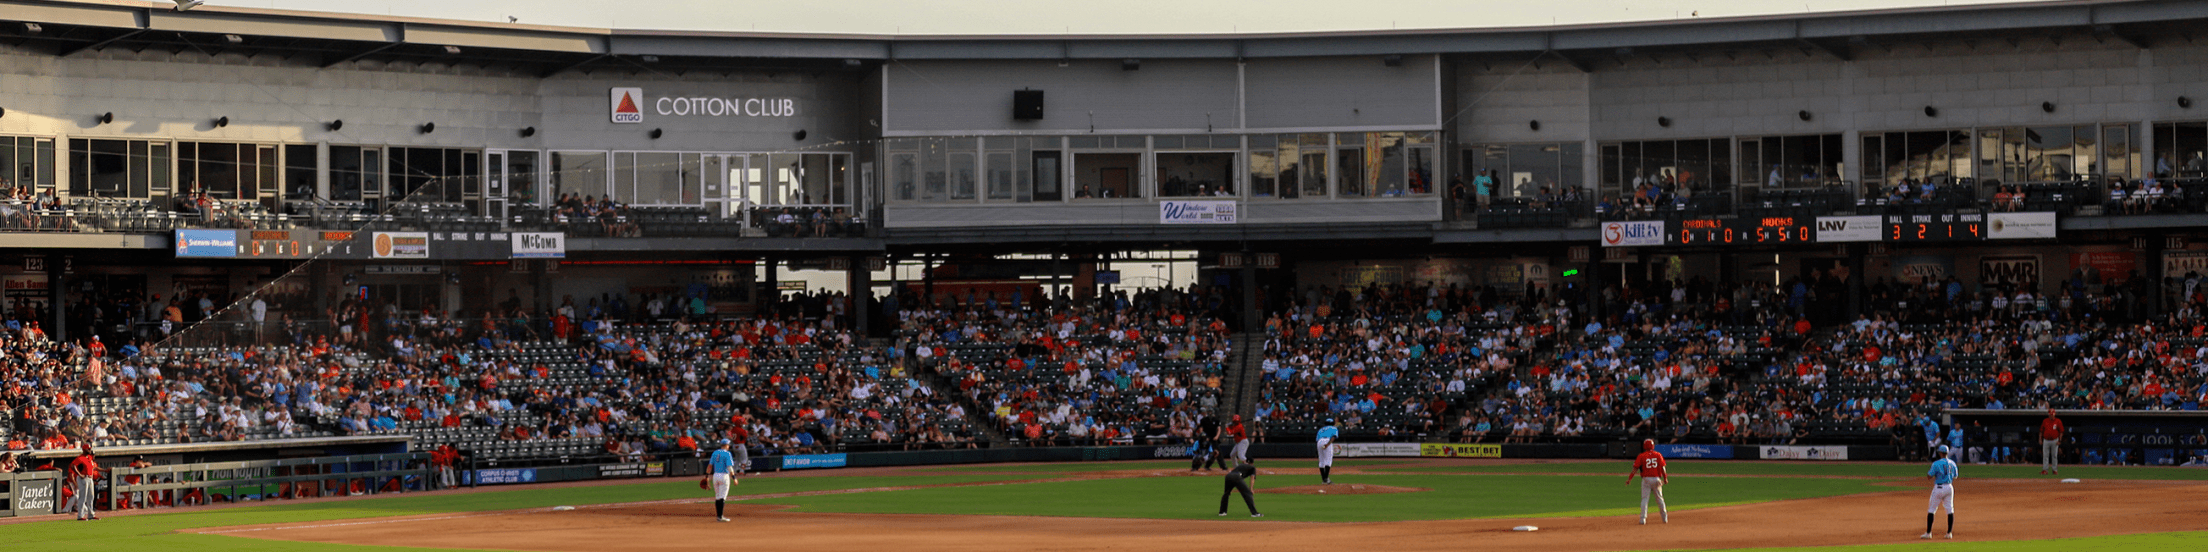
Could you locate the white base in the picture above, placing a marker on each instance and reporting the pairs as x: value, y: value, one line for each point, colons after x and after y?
x: 1525, y: 528
x: 562, y: 508
x: 2072, y: 480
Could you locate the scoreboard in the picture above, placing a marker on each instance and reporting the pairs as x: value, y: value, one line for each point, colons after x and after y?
x: 1935, y: 228
x: 1744, y: 231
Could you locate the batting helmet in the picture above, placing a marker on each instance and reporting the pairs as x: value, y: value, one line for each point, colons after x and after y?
x: 1648, y: 444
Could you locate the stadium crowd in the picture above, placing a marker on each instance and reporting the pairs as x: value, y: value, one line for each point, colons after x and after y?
x: 1680, y: 362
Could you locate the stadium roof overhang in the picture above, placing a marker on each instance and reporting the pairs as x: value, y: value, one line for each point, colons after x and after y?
x: 65, y: 27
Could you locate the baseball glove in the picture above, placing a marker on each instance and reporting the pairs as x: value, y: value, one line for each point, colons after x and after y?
x: 706, y: 483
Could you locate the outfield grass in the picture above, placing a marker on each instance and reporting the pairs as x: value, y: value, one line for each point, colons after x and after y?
x: 152, y: 532
x: 2148, y: 541
x: 1076, y: 467
x: 1451, y: 497
x: 1857, y: 469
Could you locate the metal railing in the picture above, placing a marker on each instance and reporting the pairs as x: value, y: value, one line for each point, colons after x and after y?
x: 266, y: 479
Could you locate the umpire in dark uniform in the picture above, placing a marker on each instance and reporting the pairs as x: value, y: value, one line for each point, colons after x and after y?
x: 1238, y: 479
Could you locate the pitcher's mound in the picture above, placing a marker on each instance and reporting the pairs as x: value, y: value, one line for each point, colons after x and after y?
x: 1344, y: 489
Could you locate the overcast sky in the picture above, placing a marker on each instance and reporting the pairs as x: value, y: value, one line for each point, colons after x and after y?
x: 1076, y: 16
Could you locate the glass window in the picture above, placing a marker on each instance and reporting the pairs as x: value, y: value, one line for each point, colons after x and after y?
x: 1000, y: 175
x: 27, y: 161
x: 2117, y: 156
x: 1193, y: 174
x: 1350, y: 161
x: 2048, y: 153
x: 1107, y: 175
x: 1421, y: 161
x: 960, y: 165
x: 2181, y: 149
x: 1570, y: 166
x: 812, y: 180
x: 1393, y: 175
x: 578, y: 174
x: 1049, y: 172
x: 300, y: 169
x: 624, y: 177
x: 521, y: 177
x: 1312, y: 164
x: 904, y: 175
x: 216, y: 169
x: 839, y: 185
x: 659, y: 178
x: 935, y: 178
x: 1264, y: 169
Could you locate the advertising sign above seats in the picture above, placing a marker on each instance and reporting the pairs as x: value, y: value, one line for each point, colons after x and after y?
x: 409, y: 246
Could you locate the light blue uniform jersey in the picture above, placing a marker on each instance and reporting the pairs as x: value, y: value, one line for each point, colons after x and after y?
x: 1943, y: 471
x: 723, y: 462
x: 1328, y: 433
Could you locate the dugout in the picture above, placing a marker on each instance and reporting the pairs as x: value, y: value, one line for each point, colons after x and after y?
x: 2095, y: 437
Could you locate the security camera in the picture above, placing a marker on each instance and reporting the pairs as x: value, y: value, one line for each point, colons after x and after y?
x: 182, y: 5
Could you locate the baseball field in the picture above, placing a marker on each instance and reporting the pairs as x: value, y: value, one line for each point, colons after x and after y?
x: 1411, y: 504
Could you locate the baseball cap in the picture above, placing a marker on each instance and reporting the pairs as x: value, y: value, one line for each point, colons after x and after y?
x: 1943, y: 450
x: 724, y: 442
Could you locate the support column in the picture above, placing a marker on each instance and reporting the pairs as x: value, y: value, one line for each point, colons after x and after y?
x: 1084, y: 277
x: 861, y: 284
x: 2153, y: 275
x: 772, y: 302
x: 1253, y: 315
x: 57, y: 297
x: 1857, y: 271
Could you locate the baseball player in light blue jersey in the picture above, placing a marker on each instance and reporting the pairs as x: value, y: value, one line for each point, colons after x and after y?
x: 1326, y: 451
x: 1954, y: 442
x: 724, y: 467
x: 1931, y: 434
x: 1943, y: 474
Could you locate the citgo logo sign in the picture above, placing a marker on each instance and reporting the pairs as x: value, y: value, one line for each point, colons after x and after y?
x: 627, y: 105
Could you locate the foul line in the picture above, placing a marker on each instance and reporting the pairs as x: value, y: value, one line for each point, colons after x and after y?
x: 643, y: 503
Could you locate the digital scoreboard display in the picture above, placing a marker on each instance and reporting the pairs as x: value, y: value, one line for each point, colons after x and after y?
x: 1744, y: 231
x: 1935, y: 228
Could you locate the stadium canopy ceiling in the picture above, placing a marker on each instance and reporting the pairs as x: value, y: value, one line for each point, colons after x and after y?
x: 66, y: 28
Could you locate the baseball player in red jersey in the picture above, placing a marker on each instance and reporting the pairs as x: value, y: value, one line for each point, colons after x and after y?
x: 85, y: 472
x: 1650, y: 466
x: 1241, y: 438
x: 2050, y: 443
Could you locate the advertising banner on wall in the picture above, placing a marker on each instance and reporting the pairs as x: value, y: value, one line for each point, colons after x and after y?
x: 1632, y: 233
x: 34, y: 497
x: 806, y: 461
x: 2105, y: 267
x: 400, y: 245
x: 2178, y: 264
x: 1866, y: 228
x: 540, y: 245
x: 1359, y: 450
x: 1697, y: 451
x: 2020, y: 226
x: 1450, y: 450
x: 1799, y: 452
x: 2019, y: 270
x: 1196, y: 212
x: 1918, y: 269
x: 505, y: 476
x: 207, y: 243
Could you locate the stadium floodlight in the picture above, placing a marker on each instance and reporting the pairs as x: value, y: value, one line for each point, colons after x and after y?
x: 182, y: 5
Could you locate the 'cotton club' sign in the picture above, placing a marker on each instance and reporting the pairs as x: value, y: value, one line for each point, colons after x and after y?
x: 627, y: 105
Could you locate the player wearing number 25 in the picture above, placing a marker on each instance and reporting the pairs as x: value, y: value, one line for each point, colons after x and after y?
x: 1650, y: 466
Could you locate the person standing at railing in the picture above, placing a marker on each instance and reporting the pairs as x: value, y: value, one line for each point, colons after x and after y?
x: 85, y: 470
